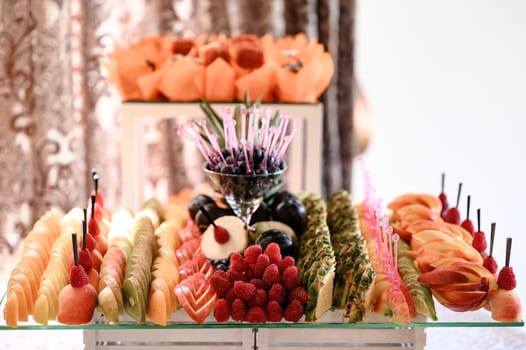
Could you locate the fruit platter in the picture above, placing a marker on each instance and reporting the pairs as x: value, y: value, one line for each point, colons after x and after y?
x: 243, y: 251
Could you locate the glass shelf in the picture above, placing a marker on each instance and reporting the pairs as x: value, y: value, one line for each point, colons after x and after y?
x: 331, y: 319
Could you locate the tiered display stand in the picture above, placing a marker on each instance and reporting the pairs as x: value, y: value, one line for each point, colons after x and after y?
x: 304, y: 173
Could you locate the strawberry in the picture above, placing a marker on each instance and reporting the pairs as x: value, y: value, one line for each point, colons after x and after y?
x: 220, y: 284
x: 274, y: 311
x: 294, y: 311
x: 238, y: 263
x: 262, y: 262
x: 77, y: 276
x: 238, y: 310
x: 85, y: 260
x: 221, y: 234
x: 277, y: 293
x: 291, y: 277
x: 506, y: 279
x: 244, y: 290
x: 256, y: 315
x: 286, y: 262
x: 222, y: 311
x: 299, y: 293
x: 271, y: 275
x: 274, y: 253
x: 252, y: 253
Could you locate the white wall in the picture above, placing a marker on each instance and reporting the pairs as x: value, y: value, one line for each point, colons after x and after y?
x: 446, y: 84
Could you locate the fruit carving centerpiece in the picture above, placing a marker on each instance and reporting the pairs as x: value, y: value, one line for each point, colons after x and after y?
x: 248, y: 159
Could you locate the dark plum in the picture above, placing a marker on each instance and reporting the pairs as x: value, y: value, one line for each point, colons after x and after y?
x: 214, y: 211
x: 283, y: 239
x: 262, y: 213
x: 196, y: 202
x: 293, y: 213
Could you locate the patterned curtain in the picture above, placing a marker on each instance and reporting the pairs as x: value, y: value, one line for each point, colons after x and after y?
x: 59, y: 117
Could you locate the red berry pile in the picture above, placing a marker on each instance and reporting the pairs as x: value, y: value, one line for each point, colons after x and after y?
x: 259, y: 287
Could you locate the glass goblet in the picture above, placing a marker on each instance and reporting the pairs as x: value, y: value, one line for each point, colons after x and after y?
x: 244, y: 193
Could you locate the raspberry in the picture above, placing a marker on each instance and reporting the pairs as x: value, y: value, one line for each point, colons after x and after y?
x: 256, y: 315
x: 258, y: 283
x: 274, y: 253
x: 291, y: 277
x: 238, y: 263
x: 252, y: 252
x: 479, y: 241
x: 249, y: 273
x: 259, y: 299
x: 271, y: 275
x: 506, y: 279
x: 244, y: 290
x: 220, y: 284
x: 93, y: 227
x: 294, y: 311
x: 285, y: 262
x: 77, y: 276
x: 452, y: 216
x: 274, y: 311
x: 230, y: 296
x: 234, y: 275
x: 468, y: 226
x: 91, y: 243
x: 490, y: 264
x: 277, y: 293
x: 238, y: 310
x: 222, y: 311
x: 261, y: 264
x: 220, y: 273
x: 299, y: 293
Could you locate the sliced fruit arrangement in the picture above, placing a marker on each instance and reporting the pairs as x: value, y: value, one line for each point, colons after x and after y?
x: 56, y: 274
x: 137, y: 275
x: 77, y: 300
x: 354, y: 275
x: 389, y: 295
x: 110, y: 301
x: 24, y: 282
x: 420, y: 293
x: 316, y: 260
x: 162, y: 300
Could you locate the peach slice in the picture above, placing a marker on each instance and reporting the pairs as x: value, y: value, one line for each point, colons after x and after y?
x: 461, y: 300
x: 442, y: 276
x: 505, y: 305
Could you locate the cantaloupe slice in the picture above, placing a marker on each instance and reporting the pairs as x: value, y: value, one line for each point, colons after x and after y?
x: 11, y: 310
x: 20, y: 280
x: 21, y: 299
x: 41, y: 310
x: 157, y: 307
